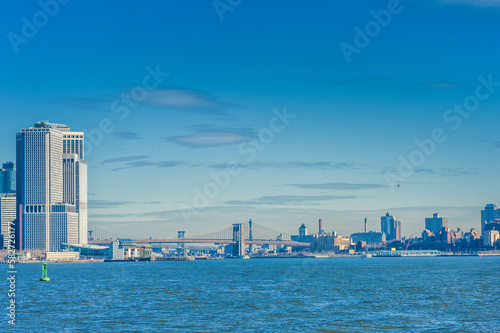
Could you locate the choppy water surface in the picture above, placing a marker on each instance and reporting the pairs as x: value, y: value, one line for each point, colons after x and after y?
x: 261, y: 295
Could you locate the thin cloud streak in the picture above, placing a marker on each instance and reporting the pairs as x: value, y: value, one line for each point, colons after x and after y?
x: 289, y: 200
x: 338, y: 186
x: 322, y: 165
x: 442, y: 172
x: 187, y: 100
x: 207, y: 139
x: 140, y: 164
x: 98, y: 204
x: 125, y: 159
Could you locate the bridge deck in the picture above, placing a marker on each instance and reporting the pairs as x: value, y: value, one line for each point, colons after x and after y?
x: 212, y: 241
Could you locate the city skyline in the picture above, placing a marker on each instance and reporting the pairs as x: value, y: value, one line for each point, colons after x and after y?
x: 309, y: 132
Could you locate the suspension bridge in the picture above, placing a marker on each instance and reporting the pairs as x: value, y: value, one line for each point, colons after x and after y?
x: 238, y: 234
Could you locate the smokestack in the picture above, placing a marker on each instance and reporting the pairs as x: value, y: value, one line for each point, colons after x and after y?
x: 320, y: 227
x: 365, y: 223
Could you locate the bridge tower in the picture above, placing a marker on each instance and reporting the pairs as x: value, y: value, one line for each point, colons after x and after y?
x: 180, y: 234
x: 250, y: 235
x: 239, y: 239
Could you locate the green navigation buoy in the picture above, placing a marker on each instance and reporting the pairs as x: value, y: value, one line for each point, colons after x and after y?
x: 44, y: 277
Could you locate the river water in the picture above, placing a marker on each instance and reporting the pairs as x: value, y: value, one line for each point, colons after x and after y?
x: 445, y: 294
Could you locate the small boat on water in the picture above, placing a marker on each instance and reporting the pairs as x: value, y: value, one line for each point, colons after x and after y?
x: 366, y: 255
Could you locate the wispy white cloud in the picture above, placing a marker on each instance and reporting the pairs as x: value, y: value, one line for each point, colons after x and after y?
x: 140, y: 164
x: 124, y: 159
x: 135, y: 164
x: 213, y: 138
x: 96, y: 204
x: 441, y: 172
x: 186, y: 99
x: 338, y: 186
x: 173, y: 98
x: 322, y: 165
x: 127, y: 162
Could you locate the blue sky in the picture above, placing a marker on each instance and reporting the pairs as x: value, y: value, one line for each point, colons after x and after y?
x: 265, y: 102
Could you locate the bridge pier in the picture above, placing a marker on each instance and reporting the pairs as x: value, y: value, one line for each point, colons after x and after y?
x: 180, y: 234
x: 250, y: 236
x: 239, y: 239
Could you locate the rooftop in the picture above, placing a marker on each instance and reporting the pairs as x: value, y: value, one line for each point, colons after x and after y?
x: 46, y: 124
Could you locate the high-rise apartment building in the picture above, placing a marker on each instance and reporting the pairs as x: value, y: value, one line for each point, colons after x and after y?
x: 436, y: 223
x: 75, y: 173
x: 7, y: 217
x: 50, y: 187
x: 391, y: 227
x: 489, y: 214
x: 8, y: 178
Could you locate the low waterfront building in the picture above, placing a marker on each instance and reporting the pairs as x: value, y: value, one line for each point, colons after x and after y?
x: 145, y: 251
x: 89, y: 251
x: 370, y: 238
x: 74, y: 255
x: 115, y: 252
x: 130, y: 253
x: 127, y: 249
x: 330, y: 242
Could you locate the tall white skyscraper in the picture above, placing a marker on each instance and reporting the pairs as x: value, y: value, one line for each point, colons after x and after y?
x: 75, y: 190
x: 48, y: 195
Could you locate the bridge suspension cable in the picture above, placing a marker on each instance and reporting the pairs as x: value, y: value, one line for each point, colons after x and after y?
x: 223, y: 233
x: 273, y: 234
x: 101, y: 234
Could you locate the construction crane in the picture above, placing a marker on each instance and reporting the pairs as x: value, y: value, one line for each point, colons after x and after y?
x: 409, y: 240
